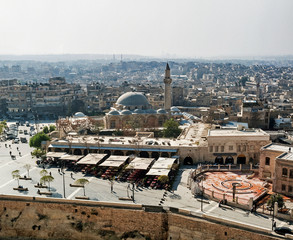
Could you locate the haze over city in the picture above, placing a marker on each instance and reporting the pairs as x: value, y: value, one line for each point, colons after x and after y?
x: 188, y: 28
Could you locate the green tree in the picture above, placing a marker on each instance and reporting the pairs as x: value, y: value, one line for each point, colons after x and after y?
x: 171, y: 128
x: 276, y: 198
x: 46, y: 129
x: 52, y: 128
x: 48, y: 179
x: 16, y: 175
x: 38, y: 153
x: 27, y: 167
x: 36, y: 140
x: 43, y: 172
x: 3, y: 125
x: 163, y: 179
x: 83, y: 182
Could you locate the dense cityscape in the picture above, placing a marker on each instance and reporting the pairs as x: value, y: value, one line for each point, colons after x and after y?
x: 146, y: 120
x: 213, y: 134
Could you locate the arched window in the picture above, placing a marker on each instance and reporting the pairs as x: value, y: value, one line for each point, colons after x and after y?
x: 268, y: 161
x: 284, y: 172
x: 291, y: 173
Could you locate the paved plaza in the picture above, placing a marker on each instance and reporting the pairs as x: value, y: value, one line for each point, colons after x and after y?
x: 100, y: 190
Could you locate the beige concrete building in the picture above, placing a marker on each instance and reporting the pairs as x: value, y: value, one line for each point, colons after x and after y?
x: 236, y: 146
x: 276, y: 165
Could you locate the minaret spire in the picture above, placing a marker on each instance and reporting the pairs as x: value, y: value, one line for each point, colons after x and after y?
x: 168, y: 93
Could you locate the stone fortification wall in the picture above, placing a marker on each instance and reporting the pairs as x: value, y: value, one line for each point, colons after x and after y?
x: 43, y: 218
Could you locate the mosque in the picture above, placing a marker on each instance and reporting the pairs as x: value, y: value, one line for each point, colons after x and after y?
x: 133, y: 110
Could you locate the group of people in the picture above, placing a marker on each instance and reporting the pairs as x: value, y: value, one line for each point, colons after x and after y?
x: 10, y: 152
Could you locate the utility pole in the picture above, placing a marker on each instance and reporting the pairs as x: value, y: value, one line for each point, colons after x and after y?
x: 63, y: 173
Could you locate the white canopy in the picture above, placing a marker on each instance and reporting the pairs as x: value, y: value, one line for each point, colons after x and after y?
x: 55, y: 154
x: 114, y: 161
x: 164, y: 163
x: 92, y: 159
x: 140, y: 163
x: 158, y: 172
x: 69, y: 157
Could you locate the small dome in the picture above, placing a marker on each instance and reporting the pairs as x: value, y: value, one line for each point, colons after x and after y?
x: 113, y: 112
x: 79, y: 115
x: 151, y: 111
x: 133, y: 99
x: 138, y: 111
x: 175, y: 109
x: 126, y: 112
x: 161, y: 111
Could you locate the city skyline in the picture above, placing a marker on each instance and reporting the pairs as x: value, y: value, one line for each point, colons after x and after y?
x: 191, y: 29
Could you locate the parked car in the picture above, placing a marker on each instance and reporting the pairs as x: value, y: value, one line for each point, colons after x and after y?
x: 16, y: 140
x: 283, y: 230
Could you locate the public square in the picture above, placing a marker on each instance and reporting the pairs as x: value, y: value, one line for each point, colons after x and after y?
x: 100, y: 190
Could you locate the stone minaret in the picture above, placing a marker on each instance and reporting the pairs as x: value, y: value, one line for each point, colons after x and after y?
x: 168, y: 93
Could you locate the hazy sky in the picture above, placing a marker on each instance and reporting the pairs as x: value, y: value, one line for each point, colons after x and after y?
x: 189, y: 28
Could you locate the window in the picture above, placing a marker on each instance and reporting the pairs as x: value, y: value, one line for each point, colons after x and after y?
x: 284, y: 172
x: 283, y: 187
x: 290, y: 189
x: 267, y: 161
x: 113, y: 124
x: 216, y: 149
x: 291, y: 173
x: 244, y: 148
x: 211, y: 148
x: 222, y: 148
x: 231, y: 148
x: 251, y: 147
x: 239, y: 148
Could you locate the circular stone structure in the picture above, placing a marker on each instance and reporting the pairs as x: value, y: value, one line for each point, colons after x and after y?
x: 241, y: 185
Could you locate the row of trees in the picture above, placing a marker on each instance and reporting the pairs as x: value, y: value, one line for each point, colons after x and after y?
x: 46, y: 178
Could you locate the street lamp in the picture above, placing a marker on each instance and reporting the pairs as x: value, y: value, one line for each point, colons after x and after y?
x: 63, y: 177
x: 273, y: 218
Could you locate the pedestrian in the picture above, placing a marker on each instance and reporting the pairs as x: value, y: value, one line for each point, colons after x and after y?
x: 59, y: 170
x: 50, y: 174
x: 71, y: 174
x: 39, y: 191
x: 20, y: 154
x: 10, y: 153
x: 9, y: 146
x: 6, y: 145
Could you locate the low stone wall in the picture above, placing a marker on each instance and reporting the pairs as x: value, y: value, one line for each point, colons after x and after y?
x: 44, y: 218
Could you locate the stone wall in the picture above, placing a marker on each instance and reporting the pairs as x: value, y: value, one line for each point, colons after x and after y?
x: 44, y: 218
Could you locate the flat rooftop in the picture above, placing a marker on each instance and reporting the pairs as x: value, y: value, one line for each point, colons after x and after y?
x: 235, y: 132
x: 278, y: 147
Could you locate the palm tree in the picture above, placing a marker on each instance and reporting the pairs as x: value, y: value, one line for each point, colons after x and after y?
x: 83, y: 182
x: 44, y: 172
x: 47, y: 178
x: 15, y: 175
x: 27, y: 167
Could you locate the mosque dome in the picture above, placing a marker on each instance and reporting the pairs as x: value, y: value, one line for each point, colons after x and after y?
x: 126, y: 112
x: 79, y: 115
x: 175, y: 109
x: 133, y: 99
x: 113, y: 112
x: 138, y: 111
x: 151, y: 111
x: 161, y: 111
